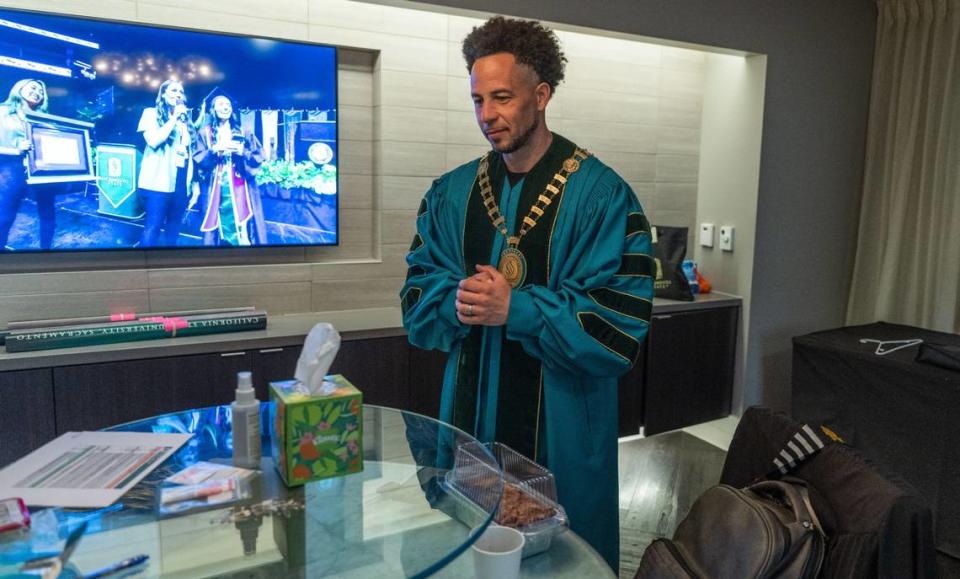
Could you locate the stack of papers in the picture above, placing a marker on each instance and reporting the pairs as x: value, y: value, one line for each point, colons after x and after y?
x: 87, y: 469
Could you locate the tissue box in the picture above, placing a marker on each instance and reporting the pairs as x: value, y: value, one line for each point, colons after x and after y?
x: 316, y: 436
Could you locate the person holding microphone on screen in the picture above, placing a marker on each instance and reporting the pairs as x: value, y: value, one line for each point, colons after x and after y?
x: 166, y: 170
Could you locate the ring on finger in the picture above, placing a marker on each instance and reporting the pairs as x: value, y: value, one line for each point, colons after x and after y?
x: 470, y: 310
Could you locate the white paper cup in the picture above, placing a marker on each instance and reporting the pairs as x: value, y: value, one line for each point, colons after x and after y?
x: 497, y: 553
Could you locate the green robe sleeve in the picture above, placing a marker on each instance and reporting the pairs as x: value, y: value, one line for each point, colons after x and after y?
x: 595, y: 320
x: 434, y: 272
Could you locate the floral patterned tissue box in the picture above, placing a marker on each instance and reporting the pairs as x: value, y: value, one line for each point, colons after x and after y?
x: 316, y: 436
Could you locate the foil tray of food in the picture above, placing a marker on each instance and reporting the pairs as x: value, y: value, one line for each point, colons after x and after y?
x: 527, y: 501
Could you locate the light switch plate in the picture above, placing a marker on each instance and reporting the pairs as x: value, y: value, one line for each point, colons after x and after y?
x: 726, y: 237
x: 706, y: 235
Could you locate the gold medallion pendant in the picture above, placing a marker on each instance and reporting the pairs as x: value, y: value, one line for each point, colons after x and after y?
x: 513, y: 266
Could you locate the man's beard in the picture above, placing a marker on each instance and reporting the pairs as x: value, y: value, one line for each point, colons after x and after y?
x: 520, y: 141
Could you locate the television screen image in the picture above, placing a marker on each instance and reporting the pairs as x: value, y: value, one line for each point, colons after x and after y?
x: 117, y: 136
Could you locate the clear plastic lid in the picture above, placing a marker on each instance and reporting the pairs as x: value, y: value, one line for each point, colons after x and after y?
x: 529, y: 498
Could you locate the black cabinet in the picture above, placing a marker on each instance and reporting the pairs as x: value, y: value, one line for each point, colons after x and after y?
x: 271, y: 365
x: 94, y: 396
x: 690, y: 368
x: 684, y: 376
x: 26, y: 412
x: 379, y: 367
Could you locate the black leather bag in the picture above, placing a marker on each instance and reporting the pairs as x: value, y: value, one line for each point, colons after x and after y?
x: 765, y: 530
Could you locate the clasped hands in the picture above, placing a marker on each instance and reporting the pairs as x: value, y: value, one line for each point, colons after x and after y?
x: 484, y: 298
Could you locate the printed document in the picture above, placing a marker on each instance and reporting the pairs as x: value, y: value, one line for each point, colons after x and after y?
x: 87, y: 469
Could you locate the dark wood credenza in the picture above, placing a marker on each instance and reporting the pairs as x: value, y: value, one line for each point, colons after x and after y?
x: 685, y: 374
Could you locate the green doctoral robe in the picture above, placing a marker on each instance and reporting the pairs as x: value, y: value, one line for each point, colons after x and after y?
x: 545, y: 384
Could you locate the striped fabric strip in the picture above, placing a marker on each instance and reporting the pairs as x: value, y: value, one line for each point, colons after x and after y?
x: 417, y: 242
x: 410, y: 299
x: 636, y: 264
x: 414, y: 271
x: 796, y: 450
x: 609, y: 336
x: 813, y: 436
x: 782, y: 466
x: 804, y: 444
x: 622, y: 303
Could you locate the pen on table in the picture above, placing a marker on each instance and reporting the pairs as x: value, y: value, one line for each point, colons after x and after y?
x: 118, y: 566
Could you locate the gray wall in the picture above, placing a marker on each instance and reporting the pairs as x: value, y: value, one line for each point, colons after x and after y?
x: 820, y: 55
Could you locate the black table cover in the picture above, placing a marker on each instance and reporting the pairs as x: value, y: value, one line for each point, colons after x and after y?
x: 897, y: 411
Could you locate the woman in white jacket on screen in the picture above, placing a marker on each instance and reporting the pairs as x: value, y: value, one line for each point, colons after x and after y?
x: 166, y: 171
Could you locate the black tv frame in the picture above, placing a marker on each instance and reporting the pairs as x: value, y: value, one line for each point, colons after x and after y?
x: 207, y: 251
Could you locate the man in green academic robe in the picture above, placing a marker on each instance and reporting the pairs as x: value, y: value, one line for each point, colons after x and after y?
x: 532, y: 267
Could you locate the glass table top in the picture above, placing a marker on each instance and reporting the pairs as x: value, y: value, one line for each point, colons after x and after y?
x: 396, y: 518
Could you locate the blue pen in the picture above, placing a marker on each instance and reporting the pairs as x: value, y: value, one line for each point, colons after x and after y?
x: 118, y: 566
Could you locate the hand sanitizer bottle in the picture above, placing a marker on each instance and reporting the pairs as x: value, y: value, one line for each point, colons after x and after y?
x: 246, y: 424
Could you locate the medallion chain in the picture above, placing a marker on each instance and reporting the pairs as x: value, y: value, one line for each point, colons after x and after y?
x: 513, y: 264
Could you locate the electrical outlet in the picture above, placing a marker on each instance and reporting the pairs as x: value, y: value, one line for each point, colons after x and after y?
x: 706, y: 235
x: 726, y: 237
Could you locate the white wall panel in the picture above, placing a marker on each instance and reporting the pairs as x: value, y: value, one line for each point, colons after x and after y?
x: 286, y: 10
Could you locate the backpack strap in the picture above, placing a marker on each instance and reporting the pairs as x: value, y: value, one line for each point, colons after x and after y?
x: 813, y: 514
x: 802, y: 491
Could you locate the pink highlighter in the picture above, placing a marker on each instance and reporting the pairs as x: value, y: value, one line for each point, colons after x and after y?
x: 198, y: 491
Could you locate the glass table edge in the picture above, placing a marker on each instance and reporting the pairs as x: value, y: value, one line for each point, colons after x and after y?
x: 436, y: 566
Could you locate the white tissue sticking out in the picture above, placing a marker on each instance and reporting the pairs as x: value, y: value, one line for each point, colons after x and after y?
x: 319, y: 350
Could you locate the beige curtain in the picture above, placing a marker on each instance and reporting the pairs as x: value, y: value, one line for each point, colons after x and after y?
x: 907, y: 266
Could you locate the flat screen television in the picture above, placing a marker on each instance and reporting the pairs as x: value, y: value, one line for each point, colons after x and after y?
x: 120, y: 136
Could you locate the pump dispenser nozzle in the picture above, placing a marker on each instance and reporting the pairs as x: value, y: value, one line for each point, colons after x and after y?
x: 245, y: 393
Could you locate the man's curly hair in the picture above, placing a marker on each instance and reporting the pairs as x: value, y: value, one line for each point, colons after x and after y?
x: 528, y: 41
